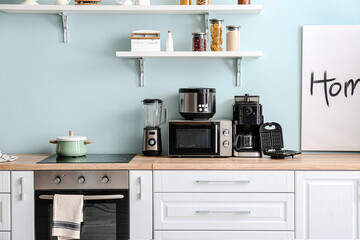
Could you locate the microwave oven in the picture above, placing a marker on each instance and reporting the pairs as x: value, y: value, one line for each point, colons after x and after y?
x: 197, y: 138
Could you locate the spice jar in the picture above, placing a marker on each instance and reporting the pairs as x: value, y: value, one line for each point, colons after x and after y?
x: 202, y: 2
x: 216, y: 34
x: 244, y: 2
x: 199, y: 42
x: 185, y: 2
x: 232, y: 38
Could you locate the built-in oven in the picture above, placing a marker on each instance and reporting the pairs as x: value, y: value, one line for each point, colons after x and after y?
x: 106, y: 202
x: 194, y: 138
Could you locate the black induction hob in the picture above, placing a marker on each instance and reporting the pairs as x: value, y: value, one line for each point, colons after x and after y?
x: 90, y: 158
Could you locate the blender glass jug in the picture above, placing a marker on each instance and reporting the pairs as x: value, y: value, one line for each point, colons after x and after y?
x: 153, y: 109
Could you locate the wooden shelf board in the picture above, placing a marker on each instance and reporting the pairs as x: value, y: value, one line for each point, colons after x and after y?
x: 115, y: 9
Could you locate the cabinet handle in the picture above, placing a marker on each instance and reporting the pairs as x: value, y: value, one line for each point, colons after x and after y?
x: 224, y: 211
x: 140, y: 188
x: 220, y: 181
x: 22, y: 193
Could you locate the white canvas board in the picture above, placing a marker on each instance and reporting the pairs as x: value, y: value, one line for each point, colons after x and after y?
x: 331, y: 112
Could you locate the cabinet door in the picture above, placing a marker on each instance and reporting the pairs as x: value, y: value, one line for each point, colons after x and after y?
x: 5, y: 181
x: 140, y: 184
x: 22, y: 198
x: 5, y: 236
x: 5, y: 215
x: 327, y: 204
x: 172, y: 235
x: 223, y: 211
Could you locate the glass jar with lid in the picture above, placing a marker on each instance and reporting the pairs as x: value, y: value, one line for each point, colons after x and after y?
x: 199, y: 42
x: 244, y: 1
x: 202, y: 2
x: 232, y: 38
x: 185, y: 2
x: 216, y: 34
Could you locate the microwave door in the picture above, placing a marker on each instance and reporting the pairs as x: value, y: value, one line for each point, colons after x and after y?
x: 193, y: 139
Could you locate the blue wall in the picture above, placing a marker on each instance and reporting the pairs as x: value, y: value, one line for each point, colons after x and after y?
x: 48, y: 87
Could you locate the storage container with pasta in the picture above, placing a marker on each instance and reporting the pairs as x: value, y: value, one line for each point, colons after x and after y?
x: 216, y: 34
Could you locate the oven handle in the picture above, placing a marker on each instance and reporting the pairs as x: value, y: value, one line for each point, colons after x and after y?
x: 90, y: 197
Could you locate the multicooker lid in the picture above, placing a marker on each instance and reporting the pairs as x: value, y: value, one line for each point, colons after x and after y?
x: 197, y: 90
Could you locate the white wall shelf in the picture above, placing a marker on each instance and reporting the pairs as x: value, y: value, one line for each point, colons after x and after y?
x: 114, y: 9
x: 65, y: 10
x: 188, y: 54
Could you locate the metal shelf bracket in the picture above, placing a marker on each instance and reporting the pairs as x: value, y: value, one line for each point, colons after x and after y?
x: 206, y: 19
x: 238, y: 71
x: 64, y: 17
x: 142, y: 75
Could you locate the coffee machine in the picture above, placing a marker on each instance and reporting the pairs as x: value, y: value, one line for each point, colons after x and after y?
x: 153, y: 109
x: 247, y: 119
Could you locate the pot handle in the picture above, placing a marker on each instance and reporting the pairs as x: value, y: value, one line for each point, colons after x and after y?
x: 53, y: 141
x: 88, y: 142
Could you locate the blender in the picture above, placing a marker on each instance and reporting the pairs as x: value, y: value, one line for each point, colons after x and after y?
x: 153, y: 109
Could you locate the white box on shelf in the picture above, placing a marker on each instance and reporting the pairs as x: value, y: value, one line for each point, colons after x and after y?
x: 145, y: 40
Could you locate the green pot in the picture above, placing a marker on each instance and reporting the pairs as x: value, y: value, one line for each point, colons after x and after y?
x: 71, y: 146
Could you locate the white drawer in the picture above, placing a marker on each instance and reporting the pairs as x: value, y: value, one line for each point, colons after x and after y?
x: 224, y: 181
x: 224, y: 211
x: 5, y: 236
x: 4, y: 181
x: 5, y: 212
x: 170, y: 235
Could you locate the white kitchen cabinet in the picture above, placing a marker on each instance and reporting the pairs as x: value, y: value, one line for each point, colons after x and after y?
x: 5, y: 236
x: 327, y: 204
x: 22, y: 198
x: 224, y: 181
x: 140, y: 188
x: 4, y: 181
x: 223, y: 211
x: 5, y: 215
x: 170, y: 235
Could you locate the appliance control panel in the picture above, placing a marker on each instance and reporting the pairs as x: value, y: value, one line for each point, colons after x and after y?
x: 225, y: 138
x: 45, y: 180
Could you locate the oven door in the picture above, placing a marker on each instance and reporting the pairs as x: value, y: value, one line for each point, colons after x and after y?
x: 193, y: 138
x: 103, y: 218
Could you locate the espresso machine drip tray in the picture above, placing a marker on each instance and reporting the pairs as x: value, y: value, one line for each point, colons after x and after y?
x: 272, y: 142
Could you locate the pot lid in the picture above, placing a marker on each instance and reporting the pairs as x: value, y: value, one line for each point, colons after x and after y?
x: 70, y: 138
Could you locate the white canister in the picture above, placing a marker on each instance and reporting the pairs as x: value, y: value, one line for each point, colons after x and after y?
x: 232, y: 38
x: 61, y: 2
x: 143, y: 2
x: 30, y: 2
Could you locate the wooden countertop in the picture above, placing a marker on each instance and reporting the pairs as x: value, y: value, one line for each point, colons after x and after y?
x: 28, y: 162
x: 300, y: 162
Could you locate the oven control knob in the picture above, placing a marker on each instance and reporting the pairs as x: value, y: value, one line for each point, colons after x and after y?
x: 226, y: 144
x: 81, y: 180
x: 57, y: 180
x: 226, y: 132
x: 104, y: 179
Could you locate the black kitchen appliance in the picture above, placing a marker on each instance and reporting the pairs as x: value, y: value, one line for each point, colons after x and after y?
x: 200, y: 138
x: 197, y: 103
x: 106, y: 202
x: 247, y: 119
x: 272, y: 141
x: 153, y: 109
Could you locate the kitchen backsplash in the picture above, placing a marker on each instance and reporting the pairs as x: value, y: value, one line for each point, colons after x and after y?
x: 48, y: 87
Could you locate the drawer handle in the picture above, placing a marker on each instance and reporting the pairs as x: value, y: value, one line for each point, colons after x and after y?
x: 224, y: 211
x: 214, y: 181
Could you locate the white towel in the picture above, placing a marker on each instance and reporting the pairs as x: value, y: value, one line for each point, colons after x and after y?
x: 67, y: 216
x: 7, y: 158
